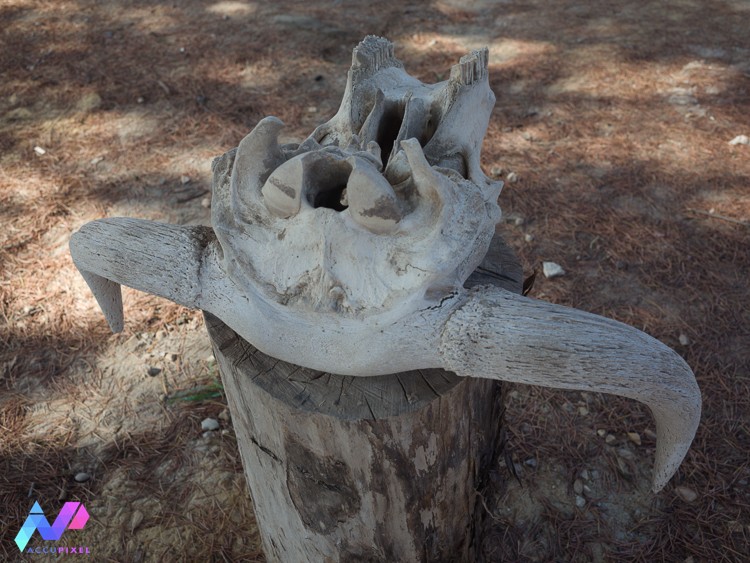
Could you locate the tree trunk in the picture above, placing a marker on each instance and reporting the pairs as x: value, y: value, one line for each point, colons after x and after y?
x: 385, y: 468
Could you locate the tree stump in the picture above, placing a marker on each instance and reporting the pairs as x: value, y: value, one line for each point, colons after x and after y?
x: 384, y: 468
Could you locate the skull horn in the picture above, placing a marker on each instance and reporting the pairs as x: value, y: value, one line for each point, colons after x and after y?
x: 500, y: 335
x: 153, y: 257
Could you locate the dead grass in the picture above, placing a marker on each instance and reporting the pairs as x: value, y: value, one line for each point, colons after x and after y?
x: 616, y: 119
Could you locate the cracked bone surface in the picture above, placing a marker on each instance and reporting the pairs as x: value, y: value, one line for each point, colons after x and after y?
x: 347, y: 253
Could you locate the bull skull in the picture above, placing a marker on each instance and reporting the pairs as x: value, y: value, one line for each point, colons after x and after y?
x: 348, y: 253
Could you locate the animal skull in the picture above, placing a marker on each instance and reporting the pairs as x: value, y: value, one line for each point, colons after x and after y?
x: 348, y: 252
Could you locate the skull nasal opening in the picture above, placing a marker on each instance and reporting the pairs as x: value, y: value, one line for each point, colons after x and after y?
x: 388, y: 130
x: 329, y: 189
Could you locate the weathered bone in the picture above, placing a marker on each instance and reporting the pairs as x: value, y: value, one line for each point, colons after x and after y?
x: 348, y: 254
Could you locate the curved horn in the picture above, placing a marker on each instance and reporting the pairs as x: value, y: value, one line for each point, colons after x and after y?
x: 500, y: 335
x: 154, y: 257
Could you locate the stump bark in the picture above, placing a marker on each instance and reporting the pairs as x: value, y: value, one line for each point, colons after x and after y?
x: 384, y: 468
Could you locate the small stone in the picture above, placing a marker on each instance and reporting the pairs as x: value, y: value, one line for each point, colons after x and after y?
x: 585, y: 474
x: 496, y: 171
x: 172, y: 357
x: 622, y: 467
x: 531, y: 462
x: 82, y: 477
x: 635, y: 438
x: 513, y: 219
x: 512, y: 178
x: 686, y: 494
x: 96, y: 160
x: 528, y: 237
x: 135, y: 520
x: 740, y: 140
x: 601, y: 432
x: 735, y: 527
x: 184, y: 180
x: 684, y: 340
x: 89, y: 102
x: 224, y: 415
x: 610, y: 439
x: 206, y: 202
x: 19, y: 114
x: 209, y: 424
x: 40, y: 151
x: 578, y: 486
x: 583, y: 411
x: 580, y: 501
x: 210, y: 359
x: 625, y: 453
x: 312, y: 109
x: 153, y: 371
x: 587, y: 490
x: 650, y: 434
x: 552, y: 270
x: 140, y: 99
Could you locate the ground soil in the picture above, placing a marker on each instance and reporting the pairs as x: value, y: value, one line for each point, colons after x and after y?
x: 611, y: 130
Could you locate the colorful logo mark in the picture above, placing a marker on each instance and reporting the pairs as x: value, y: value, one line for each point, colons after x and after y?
x: 73, y: 516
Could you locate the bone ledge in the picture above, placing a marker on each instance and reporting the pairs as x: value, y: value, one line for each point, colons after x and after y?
x: 373, y: 53
x: 471, y: 68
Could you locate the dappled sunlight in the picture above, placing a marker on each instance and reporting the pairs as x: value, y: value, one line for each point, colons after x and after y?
x: 514, y: 51
x: 233, y: 8
x: 134, y: 125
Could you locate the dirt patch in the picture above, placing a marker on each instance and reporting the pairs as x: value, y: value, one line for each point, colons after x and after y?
x: 612, y: 131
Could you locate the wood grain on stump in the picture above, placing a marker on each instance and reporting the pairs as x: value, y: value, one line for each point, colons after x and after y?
x: 380, y: 468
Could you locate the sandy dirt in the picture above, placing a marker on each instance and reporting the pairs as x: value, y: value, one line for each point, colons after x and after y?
x: 612, y: 131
